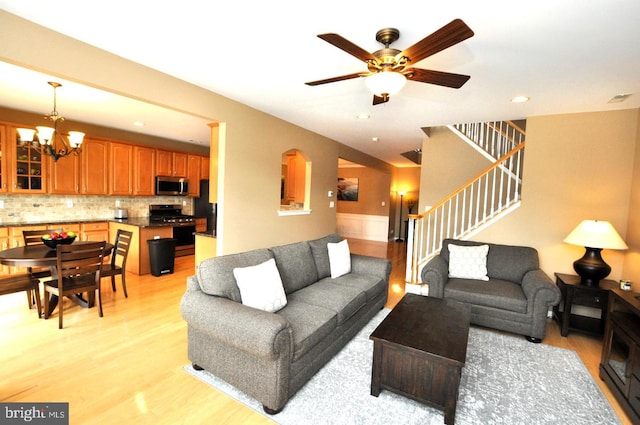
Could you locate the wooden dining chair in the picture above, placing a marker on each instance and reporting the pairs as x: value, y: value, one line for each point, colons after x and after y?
x: 118, y: 263
x: 34, y: 237
x: 78, y: 269
x: 12, y: 283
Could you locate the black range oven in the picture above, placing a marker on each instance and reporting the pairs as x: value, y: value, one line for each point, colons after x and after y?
x: 183, y: 226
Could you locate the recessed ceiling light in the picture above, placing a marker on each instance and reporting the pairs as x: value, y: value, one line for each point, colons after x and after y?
x: 374, y: 139
x: 138, y: 124
x: 619, y: 98
x: 519, y: 99
x: 363, y: 116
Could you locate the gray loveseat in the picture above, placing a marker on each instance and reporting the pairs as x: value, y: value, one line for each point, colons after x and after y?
x: 270, y: 356
x: 516, y: 298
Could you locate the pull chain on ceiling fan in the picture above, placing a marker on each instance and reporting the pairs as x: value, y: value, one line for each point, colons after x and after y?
x: 388, y: 68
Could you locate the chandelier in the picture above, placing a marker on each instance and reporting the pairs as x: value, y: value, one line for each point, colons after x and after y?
x: 50, y: 141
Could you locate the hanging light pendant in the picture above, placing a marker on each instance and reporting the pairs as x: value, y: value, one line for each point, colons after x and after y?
x: 48, y: 137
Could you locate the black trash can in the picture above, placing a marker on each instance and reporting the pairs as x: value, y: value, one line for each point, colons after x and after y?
x: 162, y: 255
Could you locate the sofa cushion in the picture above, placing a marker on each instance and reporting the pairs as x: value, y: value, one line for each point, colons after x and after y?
x: 511, y: 262
x: 339, y: 258
x: 296, y: 265
x: 495, y: 293
x: 371, y: 285
x: 321, y: 254
x: 310, y: 325
x: 506, y: 262
x: 261, y: 287
x: 345, y: 301
x: 215, y: 275
x: 468, y: 262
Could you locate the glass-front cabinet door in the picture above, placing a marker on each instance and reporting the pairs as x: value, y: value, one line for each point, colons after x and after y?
x: 28, y: 168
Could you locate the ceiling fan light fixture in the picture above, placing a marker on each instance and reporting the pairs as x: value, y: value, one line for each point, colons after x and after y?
x: 385, y: 83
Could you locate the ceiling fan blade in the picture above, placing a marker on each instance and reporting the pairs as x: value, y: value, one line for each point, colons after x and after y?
x: 344, y: 44
x: 334, y: 79
x: 452, y: 33
x: 379, y: 99
x: 439, y: 78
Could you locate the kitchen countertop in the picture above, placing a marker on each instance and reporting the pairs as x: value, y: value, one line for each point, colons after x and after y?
x: 133, y: 221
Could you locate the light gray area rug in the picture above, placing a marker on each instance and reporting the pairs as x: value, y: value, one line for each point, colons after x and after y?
x: 506, y: 380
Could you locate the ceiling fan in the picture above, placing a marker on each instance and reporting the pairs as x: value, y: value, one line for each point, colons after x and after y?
x: 388, y: 68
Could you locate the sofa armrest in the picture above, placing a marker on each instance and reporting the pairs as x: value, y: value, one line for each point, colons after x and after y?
x: 435, y: 274
x: 539, y: 288
x: 375, y: 266
x: 263, y: 334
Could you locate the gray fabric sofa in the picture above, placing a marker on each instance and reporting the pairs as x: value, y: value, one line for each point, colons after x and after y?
x: 516, y: 298
x: 270, y: 356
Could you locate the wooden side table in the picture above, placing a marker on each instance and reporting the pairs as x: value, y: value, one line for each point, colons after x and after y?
x: 574, y: 293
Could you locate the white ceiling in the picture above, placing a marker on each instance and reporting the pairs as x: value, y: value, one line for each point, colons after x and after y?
x: 566, y: 55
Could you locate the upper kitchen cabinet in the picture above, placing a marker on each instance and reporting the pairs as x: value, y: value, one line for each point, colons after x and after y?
x: 144, y: 165
x: 64, y: 175
x: 204, y: 167
x: 4, y: 150
x: 27, y: 168
x: 193, y: 174
x: 121, y: 169
x: 94, y: 167
x: 171, y: 163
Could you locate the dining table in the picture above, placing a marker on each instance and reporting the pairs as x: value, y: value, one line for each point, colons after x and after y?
x: 43, y: 256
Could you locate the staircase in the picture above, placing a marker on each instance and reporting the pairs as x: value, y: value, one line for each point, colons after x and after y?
x: 478, y: 203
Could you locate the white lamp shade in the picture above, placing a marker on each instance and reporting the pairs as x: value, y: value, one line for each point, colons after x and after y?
x: 26, y: 134
x: 45, y: 135
x: 76, y: 138
x: 596, y: 234
x: 386, y: 82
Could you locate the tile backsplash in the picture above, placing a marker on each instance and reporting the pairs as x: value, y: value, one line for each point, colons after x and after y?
x: 27, y: 209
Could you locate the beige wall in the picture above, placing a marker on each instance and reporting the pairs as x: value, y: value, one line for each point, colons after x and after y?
x: 373, y: 190
x: 632, y: 256
x: 577, y: 166
x: 251, y: 142
x: 447, y: 163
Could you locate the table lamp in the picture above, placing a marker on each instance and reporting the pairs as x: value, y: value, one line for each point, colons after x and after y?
x: 594, y: 235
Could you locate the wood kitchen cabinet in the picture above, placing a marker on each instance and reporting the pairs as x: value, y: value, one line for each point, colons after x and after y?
x: 95, y: 231
x: 294, y: 184
x: 28, y: 168
x: 64, y: 175
x: 4, y: 151
x: 138, y: 257
x: 121, y: 169
x: 171, y: 163
x: 144, y: 165
x: 94, y: 167
x: 193, y: 174
x: 204, y: 167
x: 4, y: 244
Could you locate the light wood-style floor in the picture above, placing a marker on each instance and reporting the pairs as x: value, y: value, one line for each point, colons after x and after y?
x: 127, y: 367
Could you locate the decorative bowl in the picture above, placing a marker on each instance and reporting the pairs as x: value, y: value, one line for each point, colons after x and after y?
x: 53, y: 243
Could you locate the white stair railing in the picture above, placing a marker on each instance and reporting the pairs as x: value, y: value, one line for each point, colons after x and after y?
x: 493, y: 139
x: 492, y: 193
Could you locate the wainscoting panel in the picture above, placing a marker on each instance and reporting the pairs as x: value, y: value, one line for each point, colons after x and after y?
x: 362, y: 226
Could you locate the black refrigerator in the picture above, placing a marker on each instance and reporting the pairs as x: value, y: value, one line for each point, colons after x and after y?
x: 203, y: 208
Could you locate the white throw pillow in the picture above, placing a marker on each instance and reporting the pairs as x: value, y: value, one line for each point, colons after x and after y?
x: 261, y: 286
x: 339, y: 258
x: 468, y: 262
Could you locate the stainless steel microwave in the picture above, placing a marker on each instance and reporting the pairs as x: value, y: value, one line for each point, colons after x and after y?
x: 167, y: 185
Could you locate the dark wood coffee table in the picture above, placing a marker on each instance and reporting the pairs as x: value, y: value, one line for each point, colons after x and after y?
x: 419, y: 350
